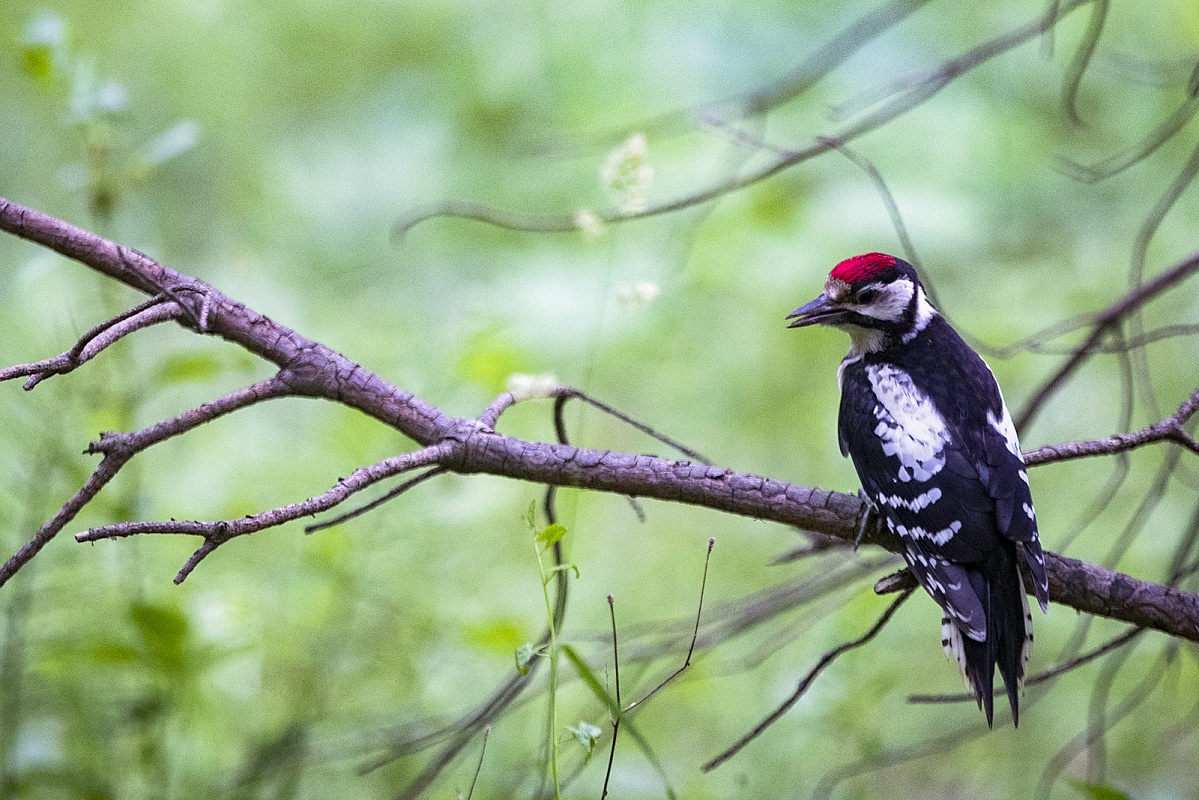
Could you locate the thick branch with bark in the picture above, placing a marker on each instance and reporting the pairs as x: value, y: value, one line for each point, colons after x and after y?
x: 472, y: 445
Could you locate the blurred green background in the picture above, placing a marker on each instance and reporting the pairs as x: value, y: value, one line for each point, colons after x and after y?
x: 269, y: 148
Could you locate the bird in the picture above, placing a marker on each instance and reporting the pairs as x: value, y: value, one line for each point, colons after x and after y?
x: 925, y: 424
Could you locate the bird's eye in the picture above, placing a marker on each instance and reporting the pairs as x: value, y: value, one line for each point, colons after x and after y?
x: 866, y: 295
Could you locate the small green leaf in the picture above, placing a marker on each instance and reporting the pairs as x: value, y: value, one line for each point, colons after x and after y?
x: 495, y: 633
x: 551, y: 534
x: 188, y: 368
x: 43, y: 44
x: 531, y: 516
x: 524, y: 657
x: 549, y: 573
x: 1096, y: 791
x: 164, y: 633
x: 39, y: 62
x: 586, y: 734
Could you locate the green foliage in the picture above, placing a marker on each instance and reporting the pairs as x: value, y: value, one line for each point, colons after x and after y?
x: 550, y: 535
x: 524, y: 657
x: 163, y: 633
x: 269, y: 148
x: 585, y: 734
x: 1096, y: 791
x: 43, y: 44
x: 188, y: 367
x: 99, y: 113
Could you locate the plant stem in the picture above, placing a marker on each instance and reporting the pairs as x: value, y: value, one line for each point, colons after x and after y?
x: 553, y: 655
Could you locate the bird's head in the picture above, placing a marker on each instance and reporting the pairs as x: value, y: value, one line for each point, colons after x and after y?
x: 877, y: 299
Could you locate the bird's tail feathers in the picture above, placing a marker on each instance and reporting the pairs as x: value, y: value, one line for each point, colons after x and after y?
x: 1008, y: 644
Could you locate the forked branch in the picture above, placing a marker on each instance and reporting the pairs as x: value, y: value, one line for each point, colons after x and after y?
x: 469, y: 445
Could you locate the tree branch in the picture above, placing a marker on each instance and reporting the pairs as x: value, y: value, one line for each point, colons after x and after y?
x: 469, y: 445
x: 96, y: 340
x: 1104, y: 324
x: 885, y: 106
x: 1169, y: 429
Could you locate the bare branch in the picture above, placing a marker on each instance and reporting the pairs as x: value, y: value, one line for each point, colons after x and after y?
x: 372, y: 505
x: 1117, y: 163
x: 694, y: 634
x: 105, y: 472
x: 308, y: 368
x: 824, y: 661
x: 118, y: 448
x: 1089, y: 736
x: 1170, y: 429
x: 221, y: 531
x: 1082, y: 59
x: 466, y: 445
x: 1103, y: 325
x: 889, y: 104
x: 565, y: 393
x: 151, y: 312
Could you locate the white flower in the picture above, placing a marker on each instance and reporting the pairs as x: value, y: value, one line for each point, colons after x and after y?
x: 626, y: 176
x: 587, y: 222
x: 639, y: 294
x: 532, y: 387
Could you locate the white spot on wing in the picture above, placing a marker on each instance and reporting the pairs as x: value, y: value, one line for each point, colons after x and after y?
x: 939, y: 537
x: 920, y: 501
x: 1004, y: 427
x: 910, y: 427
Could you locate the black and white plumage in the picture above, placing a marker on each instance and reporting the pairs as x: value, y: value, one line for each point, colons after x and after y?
x: 935, y: 448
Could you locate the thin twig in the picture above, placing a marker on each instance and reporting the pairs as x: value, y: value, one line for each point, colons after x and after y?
x: 825, y: 660
x: 565, y: 393
x: 1103, y: 323
x: 1118, y: 162
x: 1082, y: 59
x: 118, y: 448
x: 1170, y: 429
x: 694, y: 634
x: 218, y: 532
x: 892, y: 104
x: 463, y: 730
x: 1088, y: 737
x: 491, y: 414
x: 1136, y: 268
x: 615, y: 718
x: 92, y: 343
x: 1041, y: 677
x: 479, y: 766
x: 372, y: 505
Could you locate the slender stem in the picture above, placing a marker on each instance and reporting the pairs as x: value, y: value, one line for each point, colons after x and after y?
x: 553, y: 655
x: 615, y: 717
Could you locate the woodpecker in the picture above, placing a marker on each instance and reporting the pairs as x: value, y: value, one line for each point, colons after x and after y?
x: 934, y: 446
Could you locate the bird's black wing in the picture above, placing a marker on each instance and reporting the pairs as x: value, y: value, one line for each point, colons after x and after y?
x: 1007, y: 484
x: 924, y: 483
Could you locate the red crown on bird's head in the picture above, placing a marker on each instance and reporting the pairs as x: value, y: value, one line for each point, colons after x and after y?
x: 862, y: 267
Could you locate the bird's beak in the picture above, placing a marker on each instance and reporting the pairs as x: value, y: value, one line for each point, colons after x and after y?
x: 820, y: 311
